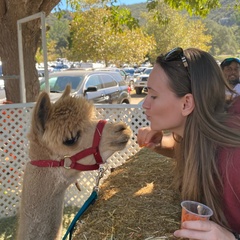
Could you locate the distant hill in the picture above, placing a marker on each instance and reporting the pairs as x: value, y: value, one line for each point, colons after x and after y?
x: 136, y: 10
x: 225, y: 15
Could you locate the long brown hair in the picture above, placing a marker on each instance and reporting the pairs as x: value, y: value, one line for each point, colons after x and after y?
x: 197, y: 171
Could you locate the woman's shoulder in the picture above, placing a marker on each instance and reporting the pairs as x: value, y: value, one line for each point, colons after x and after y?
x: 234, y: 108
x: 229, y: 167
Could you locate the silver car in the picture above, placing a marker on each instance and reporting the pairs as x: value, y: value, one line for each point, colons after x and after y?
x: 98, y: 86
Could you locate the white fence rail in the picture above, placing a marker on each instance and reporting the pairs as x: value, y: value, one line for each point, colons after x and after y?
x: 14, y: 125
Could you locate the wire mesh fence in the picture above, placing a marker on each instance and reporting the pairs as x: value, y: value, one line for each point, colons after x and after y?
x: 15, y: 120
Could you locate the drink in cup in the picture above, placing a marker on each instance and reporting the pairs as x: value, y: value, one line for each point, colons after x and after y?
x: 192, y: 211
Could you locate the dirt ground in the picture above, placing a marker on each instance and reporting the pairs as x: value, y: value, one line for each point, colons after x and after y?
x: 135, y: 202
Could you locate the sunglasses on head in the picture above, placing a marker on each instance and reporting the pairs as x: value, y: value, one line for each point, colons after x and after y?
x: 176, y: 54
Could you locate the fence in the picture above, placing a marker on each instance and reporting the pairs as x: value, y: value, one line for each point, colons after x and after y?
x: 14, y: 125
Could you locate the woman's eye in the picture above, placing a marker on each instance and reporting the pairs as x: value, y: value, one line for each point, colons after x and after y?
x: 153, y: 97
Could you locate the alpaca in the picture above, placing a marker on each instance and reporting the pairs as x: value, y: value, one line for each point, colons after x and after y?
x: 60, y: 130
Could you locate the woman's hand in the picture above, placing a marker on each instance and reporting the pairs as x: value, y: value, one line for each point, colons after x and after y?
x: 203, y: 230
x: 149, y: 138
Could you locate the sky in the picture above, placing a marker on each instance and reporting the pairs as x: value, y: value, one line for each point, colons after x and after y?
x: 129, y: 2
x: 119, y: 2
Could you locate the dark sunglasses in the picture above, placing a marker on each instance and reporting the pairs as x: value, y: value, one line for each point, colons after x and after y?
x: 176, y: 54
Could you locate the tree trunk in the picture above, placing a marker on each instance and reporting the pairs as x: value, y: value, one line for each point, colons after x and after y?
x: 10, y: 12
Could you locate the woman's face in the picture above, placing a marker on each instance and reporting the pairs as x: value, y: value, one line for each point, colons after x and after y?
x: 162, y: 107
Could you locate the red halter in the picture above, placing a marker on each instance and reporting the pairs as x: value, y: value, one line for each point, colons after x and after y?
x: 71, y: 162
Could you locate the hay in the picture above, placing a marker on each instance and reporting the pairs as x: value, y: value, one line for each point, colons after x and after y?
x: 135, y: 202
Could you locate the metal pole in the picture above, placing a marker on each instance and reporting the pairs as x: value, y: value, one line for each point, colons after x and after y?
x: 21, y: 65
x: 30, y: 18
x: 20, y: 50
x: 44, y: 46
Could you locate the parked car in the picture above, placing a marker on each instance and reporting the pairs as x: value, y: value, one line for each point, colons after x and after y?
x: 141, y: 82
x: 41, y: 72
x: 1, y: 80
x: 1, y: 84
x: 99, y: 86
x: 61, y: 67
x: 124, y: 74
x: 130, y: 77
x: 139, y: 70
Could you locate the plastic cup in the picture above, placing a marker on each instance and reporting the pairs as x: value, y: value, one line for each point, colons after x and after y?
x: 193, y: 211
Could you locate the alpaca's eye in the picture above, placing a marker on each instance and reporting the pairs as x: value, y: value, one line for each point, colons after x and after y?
x: 71, y: 141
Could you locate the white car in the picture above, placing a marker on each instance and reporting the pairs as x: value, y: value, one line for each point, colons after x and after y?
x: 1, y: 84
x: 141, y: 82
x: 1, y: 80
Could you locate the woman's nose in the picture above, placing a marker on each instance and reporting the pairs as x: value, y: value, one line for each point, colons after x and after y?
x: 145, y: 103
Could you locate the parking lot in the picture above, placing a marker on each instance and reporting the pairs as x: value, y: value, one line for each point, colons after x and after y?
x: 135, y: 99
x: 2, y: 94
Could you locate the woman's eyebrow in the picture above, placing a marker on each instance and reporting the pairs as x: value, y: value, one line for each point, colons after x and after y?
x: 150, y: 88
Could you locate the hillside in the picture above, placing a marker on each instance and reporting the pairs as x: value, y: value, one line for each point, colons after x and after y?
x: 225, y: 15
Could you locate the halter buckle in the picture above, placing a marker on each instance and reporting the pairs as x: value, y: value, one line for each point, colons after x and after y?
x: 67, y: 162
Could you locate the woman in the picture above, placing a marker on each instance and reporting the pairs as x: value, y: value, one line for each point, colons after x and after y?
x: 186, y: 96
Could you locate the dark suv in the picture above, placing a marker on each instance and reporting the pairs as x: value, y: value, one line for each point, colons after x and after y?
x: 98, y: 86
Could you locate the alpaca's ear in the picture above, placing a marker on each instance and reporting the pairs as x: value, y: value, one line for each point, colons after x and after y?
x: 41, y: 112
x: 67, y: 91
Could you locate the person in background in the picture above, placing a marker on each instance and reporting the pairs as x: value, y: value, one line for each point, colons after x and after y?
x: 231, y: 71
x: 186, y: 96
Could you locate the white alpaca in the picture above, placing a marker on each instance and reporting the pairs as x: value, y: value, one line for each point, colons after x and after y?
x: 60, y: 129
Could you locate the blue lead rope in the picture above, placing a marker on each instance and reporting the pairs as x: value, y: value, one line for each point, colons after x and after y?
x: 91, y: 200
